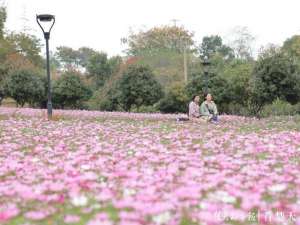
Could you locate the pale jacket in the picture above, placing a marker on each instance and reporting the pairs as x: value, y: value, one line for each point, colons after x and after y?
x: 208, y: 106
x: 194, y: 110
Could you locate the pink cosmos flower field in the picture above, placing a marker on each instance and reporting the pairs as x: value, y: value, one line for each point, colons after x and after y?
x: 100, y: 168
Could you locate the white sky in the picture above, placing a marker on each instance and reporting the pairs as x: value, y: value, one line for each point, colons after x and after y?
x: 101, y: 24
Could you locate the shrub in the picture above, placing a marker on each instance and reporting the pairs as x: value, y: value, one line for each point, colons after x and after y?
x: 70, y: 91
x: 175, y: 100
x: 279, y: 108
x: 146, y: 109
x: 25, y: 87
x: 138, y: 87
x: 275, y: 76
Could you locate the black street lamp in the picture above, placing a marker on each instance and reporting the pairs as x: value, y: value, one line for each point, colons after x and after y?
x: 48, y: 21
x: 206, y: 63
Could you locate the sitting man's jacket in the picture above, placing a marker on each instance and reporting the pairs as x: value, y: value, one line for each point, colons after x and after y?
x: 208, y: 108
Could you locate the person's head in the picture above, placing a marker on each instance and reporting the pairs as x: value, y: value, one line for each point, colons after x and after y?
x: 208, y: 97
x: 196, y: 98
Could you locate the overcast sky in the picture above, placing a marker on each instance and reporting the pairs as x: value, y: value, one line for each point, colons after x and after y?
x: 101, y: 24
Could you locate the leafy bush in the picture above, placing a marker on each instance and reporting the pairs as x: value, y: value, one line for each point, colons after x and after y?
x: 234, y: 108
x: 138, y: 87
x: 276, y: 76
x: 70, y: 91
x: 175, y: 100
x: 25, y: 87
x: 279, y: 108
x: 146, y: 109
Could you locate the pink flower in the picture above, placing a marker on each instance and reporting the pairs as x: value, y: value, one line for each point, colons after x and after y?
x: 71, y: 219
x: 8, y: 212
x: 36, y: 215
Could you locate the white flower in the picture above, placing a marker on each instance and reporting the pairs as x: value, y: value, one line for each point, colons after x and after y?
x: 149, y: 171
x: 271, y: 146
x: 35, y: 160
x: 277, y: 188
x: 85, y: 167
x: 162, y: 218
x: 223, y: 196
x: 80, y: 200
x: 96, y: 206
x: 202, y: 205
x: 130, y: 152
x: 128, y: 192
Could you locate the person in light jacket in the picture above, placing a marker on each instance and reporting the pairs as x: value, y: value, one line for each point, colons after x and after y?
x: 208, y: 109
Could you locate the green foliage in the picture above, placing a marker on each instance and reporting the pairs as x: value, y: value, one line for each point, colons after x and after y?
x: 275, y: 76
x: 167, y: 65
x: 3, y: 16
x: 84, y: 54
x: 106, y: 100
x: 25, y: 87
x: 70, y: 58
x: 279, y: 108
x: 3, y: 76
x: 99, y: 69
x: 6, y: 47
x: 217, y: 86
x: 238, y: 74
x: 70, y: 91
x: 292, y: 46
x: 212, y: 45
x: 27, y: 45
x: 146, y: 109
x: 67, y: 56
x: 138, y: 87
x: 154, y: 40
x: 228, y: 83
x: 175, y: 100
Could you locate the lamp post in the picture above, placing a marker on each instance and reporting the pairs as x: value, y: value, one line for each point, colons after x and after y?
x: 48, y: 20
x: 206, y: 63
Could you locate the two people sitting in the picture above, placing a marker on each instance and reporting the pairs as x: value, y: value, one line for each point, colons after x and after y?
x: 207, y: 111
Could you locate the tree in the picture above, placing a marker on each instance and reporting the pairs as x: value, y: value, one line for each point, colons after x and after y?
x: 167, y: 38
x: 212, y: 45
x: 238, y: 74
x: 175, y: 100
x: 292, y: 47
x: 115, y: 63
x: 99, y: 68
x: 70, y: 91
x: 68, y: 57
x: 25, y: 87
x: 28, y: 46
x: 3, y: 75
x: 138, y: 87
x: 84, y: 55
x: 2, y: 21
x: 275, y: 75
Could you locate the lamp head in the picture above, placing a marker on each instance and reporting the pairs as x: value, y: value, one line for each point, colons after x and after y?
x: 45, y: 17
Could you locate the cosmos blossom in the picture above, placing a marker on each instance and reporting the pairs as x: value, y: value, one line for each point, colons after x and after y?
x: 129, y: 168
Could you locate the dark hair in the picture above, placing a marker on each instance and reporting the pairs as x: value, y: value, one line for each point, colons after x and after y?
x: 205, y: 94
x: 194, y: 96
